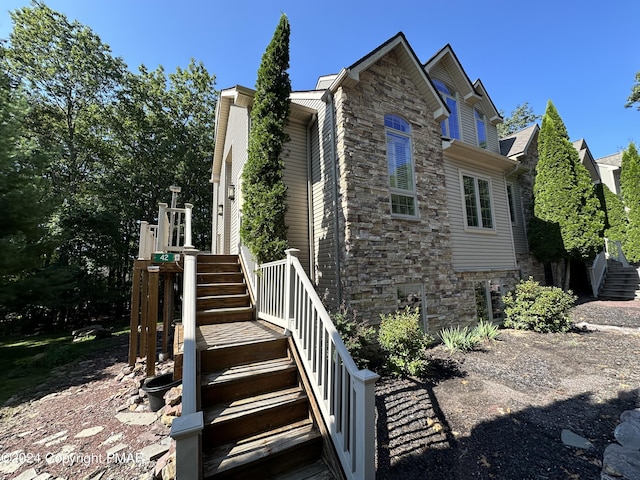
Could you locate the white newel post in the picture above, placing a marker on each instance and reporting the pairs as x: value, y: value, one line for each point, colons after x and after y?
x: 186, y: 429
x: 187, y: 225
x: 163, y: 228
x: 364, y: 405
x: 288, y: 293
x: 142, y: 243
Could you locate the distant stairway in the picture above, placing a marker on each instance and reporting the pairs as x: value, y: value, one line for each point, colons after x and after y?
x: 258, y: 416
x: 621, y: 283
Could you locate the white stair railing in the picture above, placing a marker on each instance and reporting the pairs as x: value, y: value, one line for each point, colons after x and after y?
x: 186, y: 429
x: 345, y: 394
x: 597, y: 272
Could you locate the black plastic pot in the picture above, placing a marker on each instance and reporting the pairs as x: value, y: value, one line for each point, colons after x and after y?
x: 156, y: 387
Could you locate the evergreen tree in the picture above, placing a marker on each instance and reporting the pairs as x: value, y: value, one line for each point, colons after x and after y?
x: 616, y: 217
x: 630, y: 188
x: 564, y: 194
x: 264, y: 192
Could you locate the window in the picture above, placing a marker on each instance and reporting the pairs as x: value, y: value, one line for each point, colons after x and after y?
x: 477, y: 202
x: 489, y: 304
x: 400, y: 161
x: 481, y: 128
x: 512, y: 203
x: 411, y: 296
x: 450, y: 127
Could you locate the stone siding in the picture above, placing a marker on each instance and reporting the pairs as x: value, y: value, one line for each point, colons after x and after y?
x: 378, y: 251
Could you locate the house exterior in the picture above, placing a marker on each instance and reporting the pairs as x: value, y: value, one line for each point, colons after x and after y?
x: 399, y: 191
x: 609, y: 168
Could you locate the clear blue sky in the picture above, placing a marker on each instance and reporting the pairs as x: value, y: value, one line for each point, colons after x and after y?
x: 583, y: 55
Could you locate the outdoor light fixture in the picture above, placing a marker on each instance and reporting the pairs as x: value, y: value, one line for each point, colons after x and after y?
x: 220, y: 209
x: 231, y: 192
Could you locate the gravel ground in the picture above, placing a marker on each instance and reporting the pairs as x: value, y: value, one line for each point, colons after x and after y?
x: 498, y: 412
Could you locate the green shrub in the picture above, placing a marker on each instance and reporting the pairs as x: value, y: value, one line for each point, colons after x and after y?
x: 458, y: 339
x: 486, y: 330
x: 534, y: 307
x: 359, y: 338
x: 404, y: 343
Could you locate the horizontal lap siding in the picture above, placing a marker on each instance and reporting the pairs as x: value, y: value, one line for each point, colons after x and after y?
x: 479, y: 250
x: 519, y: 228
x: 295, y: 157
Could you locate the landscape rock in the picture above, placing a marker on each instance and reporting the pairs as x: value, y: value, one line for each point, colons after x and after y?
x: 136, y: 418
x: 173, y: 396
x: 628, y: 435
x: 620, y: 463
x: 571, y: 439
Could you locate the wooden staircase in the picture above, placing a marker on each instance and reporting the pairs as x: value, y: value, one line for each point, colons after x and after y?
x: 259, y: 420
x: 621, y: 283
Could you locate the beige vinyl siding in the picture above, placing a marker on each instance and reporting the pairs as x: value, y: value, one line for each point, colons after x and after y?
x: 235, y: 155
x: 295, y: 156
x: 493, y: 144
x: 477, y: 250
x: 323, y: 206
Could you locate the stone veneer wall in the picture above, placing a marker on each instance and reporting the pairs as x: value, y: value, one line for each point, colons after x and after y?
x: 378, y: 251
x: 529, y: 266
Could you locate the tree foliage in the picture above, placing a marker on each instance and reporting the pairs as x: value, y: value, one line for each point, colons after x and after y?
x: 564, y: 195
x: 616, y: 217
x: 107, y: 144
x: 630, y: 189
x: 634, y: 97
x: 264, y: 192
x: 521, y: 117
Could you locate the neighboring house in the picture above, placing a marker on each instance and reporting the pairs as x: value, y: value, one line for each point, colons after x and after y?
x: 609, y: 169
x: 398, y: 193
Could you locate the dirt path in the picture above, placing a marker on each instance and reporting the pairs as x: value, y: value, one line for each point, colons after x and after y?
x: 499, y: 412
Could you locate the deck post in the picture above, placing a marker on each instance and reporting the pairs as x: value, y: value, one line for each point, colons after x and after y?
x: 186, y: 429
x: 144, y: 311
x: 288, y: 294
x: 152, y: 319
x: 167, y: 312
x: 135, y: 316
x: 364, y: 429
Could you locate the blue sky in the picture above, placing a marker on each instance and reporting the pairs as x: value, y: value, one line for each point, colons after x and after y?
x: 581, y: 55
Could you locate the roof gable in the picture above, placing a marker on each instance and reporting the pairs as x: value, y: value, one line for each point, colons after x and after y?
x: 519, y: 142
x: 488, y: 106
x: 350, y: 76
x: 448, y: 59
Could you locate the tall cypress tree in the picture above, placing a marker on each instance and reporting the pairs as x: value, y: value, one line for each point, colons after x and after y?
x: 264, y: 192
x: 630, y: 187
x: 564, y: 195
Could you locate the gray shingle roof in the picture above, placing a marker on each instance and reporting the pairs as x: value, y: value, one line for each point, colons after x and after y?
x: 517, y: 143
x: 614, y: 159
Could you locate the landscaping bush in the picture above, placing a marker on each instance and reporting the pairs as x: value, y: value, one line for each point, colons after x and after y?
x: 534, y: 307
x: 458, y: 339
x: 486, y: 330
x: 404, y: 343
x: 359, y: 338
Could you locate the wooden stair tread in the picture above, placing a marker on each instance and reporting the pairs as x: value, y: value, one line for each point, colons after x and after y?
x: 259, y: 447
x: 317, y: 470
x: 221, y: 296
x: 225, y: 310
x: 224, y: 335
x: 240, y: 372
x: 253, y: 405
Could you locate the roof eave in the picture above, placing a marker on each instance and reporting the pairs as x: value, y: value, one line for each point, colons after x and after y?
x: 468, y: 153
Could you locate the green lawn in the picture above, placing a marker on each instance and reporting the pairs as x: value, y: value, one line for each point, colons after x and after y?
x: 26, y: 361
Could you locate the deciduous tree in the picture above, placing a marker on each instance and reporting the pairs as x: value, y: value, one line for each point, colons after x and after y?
x: 521, y: 117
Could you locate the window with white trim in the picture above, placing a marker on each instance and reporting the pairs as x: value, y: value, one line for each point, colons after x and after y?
x: 451, y: 126
x: 401, y: 170
x: 489, y: 306
x: 477, y: 201
x: 481, y: 128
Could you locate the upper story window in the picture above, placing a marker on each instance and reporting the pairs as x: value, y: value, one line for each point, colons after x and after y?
x: 512, y: 203
x: 451, y: 126
x: 401, y: 169
x: 481, y: 128
x: 477, y: 202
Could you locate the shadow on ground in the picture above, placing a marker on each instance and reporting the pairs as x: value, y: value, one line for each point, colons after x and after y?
x: 415, y: 440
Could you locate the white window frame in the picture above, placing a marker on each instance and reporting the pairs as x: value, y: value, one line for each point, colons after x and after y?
x: 480, y: 118
x: 445, y: 125
x: 400, y: 192
x: 480, y: 227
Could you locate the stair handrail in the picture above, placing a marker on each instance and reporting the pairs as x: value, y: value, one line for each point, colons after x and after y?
x: 147, y: 241
x: 249, y: 268
x: 172, y: 231
x: 186, y: 429
x: 345, y: 394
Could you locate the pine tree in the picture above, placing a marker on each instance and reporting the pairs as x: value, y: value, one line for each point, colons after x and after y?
x: 564, y: 194
x: 616, y: 220
x: 630, y: 187
x: 264, y: 192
